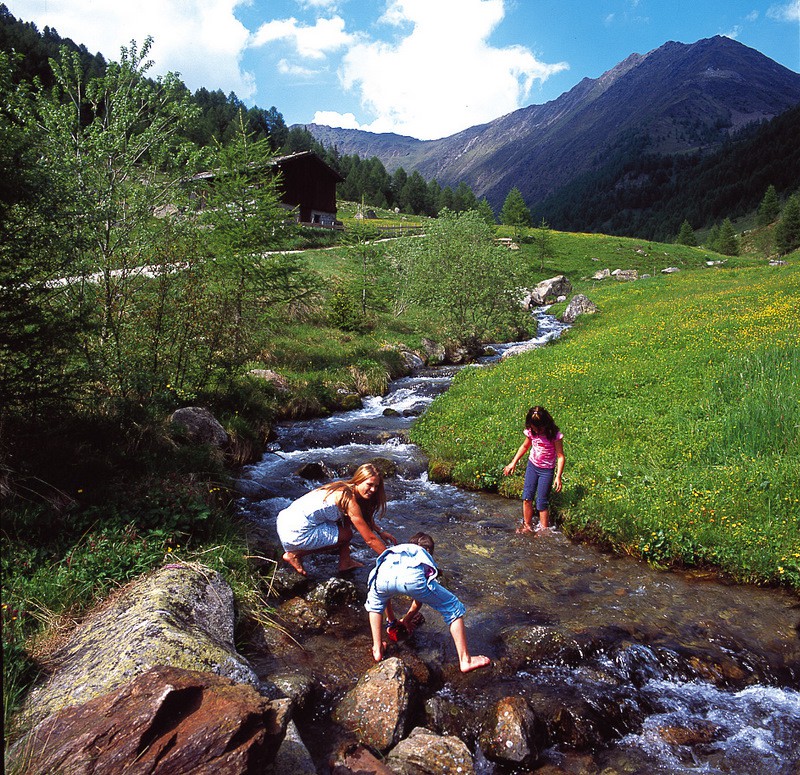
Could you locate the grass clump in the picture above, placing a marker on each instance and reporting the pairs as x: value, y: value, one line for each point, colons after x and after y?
x: 679, y: 404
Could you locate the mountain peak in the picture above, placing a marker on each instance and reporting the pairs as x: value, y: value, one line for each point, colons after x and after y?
x: 676, y: 99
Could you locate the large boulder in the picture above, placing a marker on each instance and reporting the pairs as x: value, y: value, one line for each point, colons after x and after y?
x: 166, y: 720
x: 199, y: 426
x: 578, y: 305
x: 426, y: 753
x: 548, y: 291
x: 509, y: 735
x: 376, y: 710
x: 181, y: 615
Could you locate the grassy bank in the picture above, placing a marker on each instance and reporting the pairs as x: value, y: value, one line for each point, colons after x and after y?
x: 679, y: 404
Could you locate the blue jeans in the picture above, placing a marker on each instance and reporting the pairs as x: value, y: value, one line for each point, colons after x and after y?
x: 539, y: 483
x: 397, y: 578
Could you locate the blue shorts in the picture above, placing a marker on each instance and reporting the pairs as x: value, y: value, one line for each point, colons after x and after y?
x: 539, y: 483
x: 398, y: 579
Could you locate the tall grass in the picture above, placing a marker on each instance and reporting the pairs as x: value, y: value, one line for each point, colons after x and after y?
x: 679, y: 404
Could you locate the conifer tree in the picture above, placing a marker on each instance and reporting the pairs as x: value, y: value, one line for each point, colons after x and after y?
x: 514, y: 211
x: 485, y: 211
x: 686, y: 235
x: 727, y: 242
x: 787, y: 232
x: 770, y: 207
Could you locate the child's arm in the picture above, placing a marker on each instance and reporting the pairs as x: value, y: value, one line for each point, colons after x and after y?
x: 524, y: 447
x: 411, y: 613
x: 560, y: 460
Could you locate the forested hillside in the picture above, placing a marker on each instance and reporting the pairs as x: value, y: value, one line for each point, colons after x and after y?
x: 652, y: 195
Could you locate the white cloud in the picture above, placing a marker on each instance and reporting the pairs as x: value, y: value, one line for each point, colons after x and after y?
x: 785, y: 13
x: 200, y: 39
x: 312, y: 42
x: 734, y: 32
x: 332, y: 118
x: 323, y: 5
x: 285, y: 67
x: 442, y: 76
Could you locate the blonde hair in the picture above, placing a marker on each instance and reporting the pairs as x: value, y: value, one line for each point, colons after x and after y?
x: 369, y: 508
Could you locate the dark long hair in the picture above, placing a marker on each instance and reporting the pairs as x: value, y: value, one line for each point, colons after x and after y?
x: 539, y: 419
x: 375, y: 505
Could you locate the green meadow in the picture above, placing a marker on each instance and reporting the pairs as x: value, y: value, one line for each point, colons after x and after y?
x: 680, y: 405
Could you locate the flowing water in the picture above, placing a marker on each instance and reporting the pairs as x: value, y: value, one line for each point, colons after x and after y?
x: 633, y: 670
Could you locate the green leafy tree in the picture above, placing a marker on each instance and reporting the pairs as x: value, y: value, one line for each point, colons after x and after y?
x: 115, y: 142
x: 247, y: 224
x: 41, y: 331
x: 543, y: 244
x: 515, y: 212
x: 464, y: 198
x: 787, y: 232
x: 770, y: 207
x: 459, y: 274
x: 686, y: 235
x: 361, y: 237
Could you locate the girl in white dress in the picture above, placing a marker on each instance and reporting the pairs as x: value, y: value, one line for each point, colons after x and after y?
x: 325, y: 518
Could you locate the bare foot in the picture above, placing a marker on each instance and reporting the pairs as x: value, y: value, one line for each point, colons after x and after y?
x: 350, y: 564
x: 475, y: 663
x: 377, y: 652
x: 525, y: 529
x: 294, y: 561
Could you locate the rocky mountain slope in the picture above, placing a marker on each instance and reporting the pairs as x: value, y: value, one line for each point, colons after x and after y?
x: 676, y: 99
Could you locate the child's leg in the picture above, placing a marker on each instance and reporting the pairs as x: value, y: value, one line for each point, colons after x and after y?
x: 465, y: 661
x: 375, y: 622
x: 529, y: 489
x: 543, y: 489
x: 527, y: 517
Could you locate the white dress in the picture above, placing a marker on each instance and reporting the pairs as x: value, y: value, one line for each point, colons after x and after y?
x: 310, y: 522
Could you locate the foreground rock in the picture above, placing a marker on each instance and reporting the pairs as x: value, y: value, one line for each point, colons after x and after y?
x: 167, y: 720
x: 426, y: 753
x: 377, y: 708
x: 181, y: 616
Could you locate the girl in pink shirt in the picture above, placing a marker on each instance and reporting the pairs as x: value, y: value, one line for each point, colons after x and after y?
x: 545, y: 465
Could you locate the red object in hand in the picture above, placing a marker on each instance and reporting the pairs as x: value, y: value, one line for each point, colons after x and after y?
x: 396, y: 631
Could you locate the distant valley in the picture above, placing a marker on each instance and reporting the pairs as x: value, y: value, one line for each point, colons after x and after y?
x: 677, y: 102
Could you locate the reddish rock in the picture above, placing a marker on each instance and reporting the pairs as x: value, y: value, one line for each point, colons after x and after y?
x: 376, y: 710
x: 168, y: 720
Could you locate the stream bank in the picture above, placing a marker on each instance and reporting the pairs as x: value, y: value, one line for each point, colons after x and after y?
x: 615, y: 665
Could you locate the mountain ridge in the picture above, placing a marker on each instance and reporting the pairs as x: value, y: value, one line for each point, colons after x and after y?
x: 676, y: 99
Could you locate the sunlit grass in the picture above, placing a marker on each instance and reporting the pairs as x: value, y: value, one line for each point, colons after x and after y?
x: 679, y: 404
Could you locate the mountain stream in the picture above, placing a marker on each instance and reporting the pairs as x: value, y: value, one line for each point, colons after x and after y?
x: 629, y: 669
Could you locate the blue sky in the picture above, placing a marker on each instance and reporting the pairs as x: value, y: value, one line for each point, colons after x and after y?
x: 424, y: 68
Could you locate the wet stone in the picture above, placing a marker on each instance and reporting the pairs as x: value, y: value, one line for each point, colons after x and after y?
x: 510, y: 732
x: 377, y: 709
x: 426, y: 753
x: 303, y: 617
x: 334, y: 592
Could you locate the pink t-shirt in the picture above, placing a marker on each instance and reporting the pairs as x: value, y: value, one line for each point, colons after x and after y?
x: 543, y: 450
